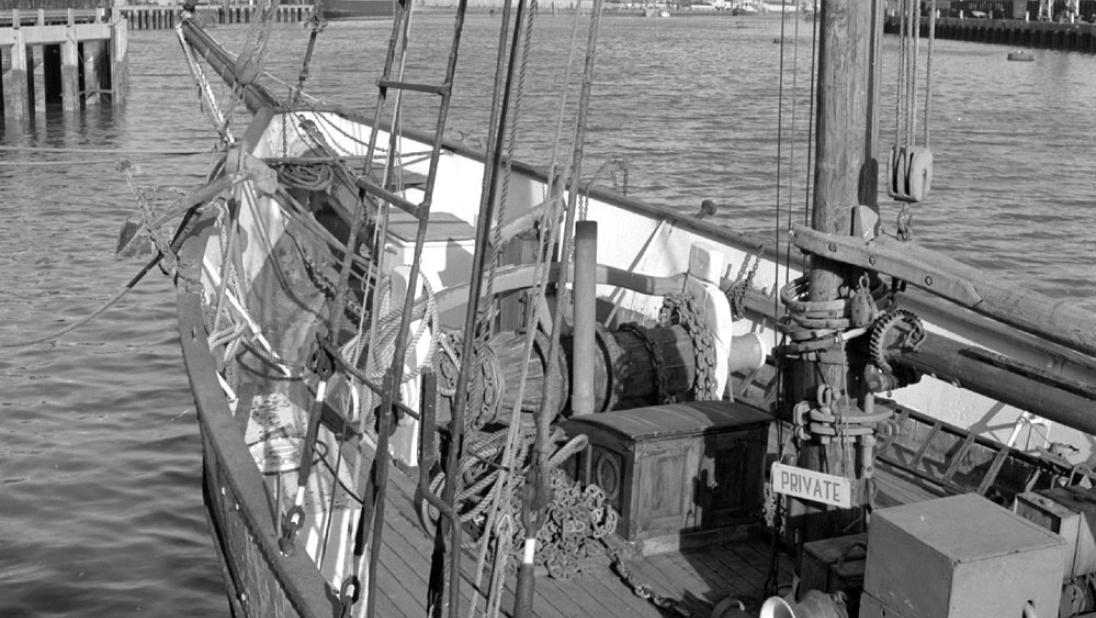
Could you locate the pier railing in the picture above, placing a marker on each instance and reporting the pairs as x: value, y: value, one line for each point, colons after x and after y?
x: 76, y: 57
x: 163, y: 17
x: 1078, y: 36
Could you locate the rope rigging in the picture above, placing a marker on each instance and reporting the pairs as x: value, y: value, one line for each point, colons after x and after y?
x: 317, y: 21
x: 502, y: 136
x: 911, y: 165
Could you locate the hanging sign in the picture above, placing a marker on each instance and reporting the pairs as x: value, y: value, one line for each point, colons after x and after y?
x: 811, y: 485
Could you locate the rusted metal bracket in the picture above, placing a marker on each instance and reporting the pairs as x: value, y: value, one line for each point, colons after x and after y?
x: 1051, y: 319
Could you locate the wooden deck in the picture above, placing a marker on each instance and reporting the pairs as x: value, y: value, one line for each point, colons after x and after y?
x: 697, y: 579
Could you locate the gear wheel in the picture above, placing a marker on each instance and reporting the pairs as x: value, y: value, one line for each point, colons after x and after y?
x: 898, y: 328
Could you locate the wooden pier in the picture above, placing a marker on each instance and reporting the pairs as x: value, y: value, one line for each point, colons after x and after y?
x: 69, y: 57
x: 1079, y: 37
x: 165, y: 17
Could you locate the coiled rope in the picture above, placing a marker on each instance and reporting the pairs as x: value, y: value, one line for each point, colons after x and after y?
x: 382, y: 337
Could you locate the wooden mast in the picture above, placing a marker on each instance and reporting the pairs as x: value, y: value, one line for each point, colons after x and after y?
x: 845, y: 175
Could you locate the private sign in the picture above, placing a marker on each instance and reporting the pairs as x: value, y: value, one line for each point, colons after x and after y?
x: 811, y: 485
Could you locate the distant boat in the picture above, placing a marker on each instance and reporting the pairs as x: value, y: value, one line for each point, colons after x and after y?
x: 745, y: 8
x: 1021, y: 55
x: 779, y: 7
x: 358, y: 9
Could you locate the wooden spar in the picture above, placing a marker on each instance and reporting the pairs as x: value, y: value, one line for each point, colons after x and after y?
x: 255, y: 96
x: 1027, y: 388
x: 970, y: 287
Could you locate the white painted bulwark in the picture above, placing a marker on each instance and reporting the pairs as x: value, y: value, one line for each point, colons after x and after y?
x: 811, y: 485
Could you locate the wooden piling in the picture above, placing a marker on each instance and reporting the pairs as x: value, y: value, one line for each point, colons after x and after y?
x: 119, y: 63
x: 70, y: 68
x: 92, y: 54
x: 36, y: 68
x: 16, y: 78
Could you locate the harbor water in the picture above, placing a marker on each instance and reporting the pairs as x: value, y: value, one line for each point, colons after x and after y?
x: 100, y: 466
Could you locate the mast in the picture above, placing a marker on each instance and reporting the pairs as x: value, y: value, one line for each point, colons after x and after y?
x: 842, y: 154
x: 845, y: 175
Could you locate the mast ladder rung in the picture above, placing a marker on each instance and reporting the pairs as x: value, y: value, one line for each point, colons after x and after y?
x: 442, y: 89
x: 419, y: 211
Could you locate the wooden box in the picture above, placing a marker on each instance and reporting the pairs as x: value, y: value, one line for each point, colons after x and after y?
x: 961, y: 556
x: 1069, y: 512
x: 675, y: 471
x: 836, y: 564
x: 871, y: 607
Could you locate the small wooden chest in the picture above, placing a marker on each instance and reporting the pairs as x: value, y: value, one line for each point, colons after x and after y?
x: 675, y: 471
x: 833, y: 565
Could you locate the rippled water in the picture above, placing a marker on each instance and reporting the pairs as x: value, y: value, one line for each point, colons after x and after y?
x: 100, y: 497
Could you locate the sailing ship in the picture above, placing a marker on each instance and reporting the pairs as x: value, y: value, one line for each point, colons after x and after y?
x: 425, y: 387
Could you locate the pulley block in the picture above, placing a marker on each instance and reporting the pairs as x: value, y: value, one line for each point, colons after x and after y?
x: 910, y: 173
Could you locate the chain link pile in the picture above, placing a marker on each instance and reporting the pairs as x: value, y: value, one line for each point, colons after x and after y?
x: 574, y: 523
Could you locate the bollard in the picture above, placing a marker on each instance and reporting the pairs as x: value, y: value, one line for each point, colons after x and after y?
x: 585, y: 317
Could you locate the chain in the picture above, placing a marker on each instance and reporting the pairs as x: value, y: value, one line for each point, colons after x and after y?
x: 642, y: 590
x: 481, y: 467
x: 680, y: 309
x: 324, y: 283
x: 574, y: 522
x: 736, y: 290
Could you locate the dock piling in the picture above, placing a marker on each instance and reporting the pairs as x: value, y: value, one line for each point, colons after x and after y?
x: 70, y: 68
x: 16, y: 79
x: 36, y: 67
x: 61, y: 57
x: 91, y: 52
x: 119, y: 64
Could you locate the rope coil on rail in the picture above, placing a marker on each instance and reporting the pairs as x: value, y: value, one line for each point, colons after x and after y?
x: 306, y: 176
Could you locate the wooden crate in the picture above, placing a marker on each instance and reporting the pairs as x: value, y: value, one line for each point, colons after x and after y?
x: 835, y: 564
x: 960, y: 556
x: 678, y: 474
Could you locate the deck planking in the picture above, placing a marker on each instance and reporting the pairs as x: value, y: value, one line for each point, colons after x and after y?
x: 698, y: 579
